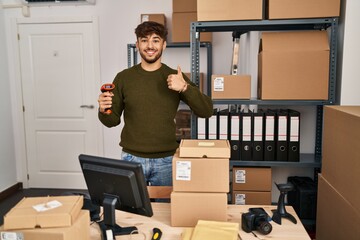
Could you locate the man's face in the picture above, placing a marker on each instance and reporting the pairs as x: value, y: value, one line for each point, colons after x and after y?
x: 151, y: 47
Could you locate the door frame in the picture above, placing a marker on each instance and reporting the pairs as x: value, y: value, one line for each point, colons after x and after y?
x: 16, y: 86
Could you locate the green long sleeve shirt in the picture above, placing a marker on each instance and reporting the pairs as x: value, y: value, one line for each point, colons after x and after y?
x: 149, y: 108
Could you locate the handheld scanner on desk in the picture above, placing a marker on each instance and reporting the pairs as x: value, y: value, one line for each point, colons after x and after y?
x: 107, y: 87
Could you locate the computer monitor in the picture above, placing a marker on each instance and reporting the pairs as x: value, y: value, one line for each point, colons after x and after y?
x: 115, y: 184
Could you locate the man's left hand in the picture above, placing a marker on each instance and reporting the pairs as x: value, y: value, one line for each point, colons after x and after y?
x: 176, y: 82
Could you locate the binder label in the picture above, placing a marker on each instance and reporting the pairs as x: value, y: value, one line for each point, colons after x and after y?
x: 246, y: 134
x: 223, y: 127
x: 240, y: 199
x: 240, y: 176
x: 235, y: 120
x: 258, y: 128
x: 269, y: 128
x: 201, y: 128
x: 183, y: 170
x: 212, y: 127
x: 219, y: 84
x: 294, y: 129
x: 282, y: 130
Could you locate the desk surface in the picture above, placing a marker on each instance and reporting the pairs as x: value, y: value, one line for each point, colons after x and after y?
x: 161, y: 219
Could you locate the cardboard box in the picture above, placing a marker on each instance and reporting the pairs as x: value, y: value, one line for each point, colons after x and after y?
x: 200, y: 174
x: 184, y: 6
x: 80, y: 230
x: 188, y: 208
x: 159, y: 18
x: 278, y: 9
x: 214, y: 10
x: 341, y: 153
x: 24, y: 215
x: 336, y: 218
x: 294, y: 66
x: 181, y: 28
x: 252, y: 178
x: 251, y: 198
x: 230, y: 86
x: 204, y: 148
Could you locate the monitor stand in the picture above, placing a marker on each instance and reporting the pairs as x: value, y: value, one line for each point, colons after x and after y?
x: 281, y: 212
x: 108, y: 226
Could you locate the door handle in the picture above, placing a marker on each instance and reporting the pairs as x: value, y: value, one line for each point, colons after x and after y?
x: 87, y: 106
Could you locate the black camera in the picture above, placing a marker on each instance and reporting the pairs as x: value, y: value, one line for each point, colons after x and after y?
x: 256, y: 219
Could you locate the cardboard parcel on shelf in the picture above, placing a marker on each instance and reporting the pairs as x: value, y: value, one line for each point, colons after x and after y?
x: 294, y: 66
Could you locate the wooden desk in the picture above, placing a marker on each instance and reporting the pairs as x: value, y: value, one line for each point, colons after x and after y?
x: 161, y: 220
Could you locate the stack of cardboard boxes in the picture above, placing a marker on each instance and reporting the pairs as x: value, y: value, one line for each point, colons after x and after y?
x: 44, y: 218
x: 185, y: 12
x: 251, y: 186
x: 200, y: 182
x: 338, y: 204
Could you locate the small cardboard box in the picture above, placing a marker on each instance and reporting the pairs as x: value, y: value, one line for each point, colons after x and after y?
x: 184, y: 6
x: 80, y: 230
x: 230, y: 86
x: 294, y: 66
x: 336, y: 218
x: 279, y: 9
x: 341, y: 153
x: 194, y: 148
x: 188, y: 208
x: 252, y: 178
x: 215, y: 10
x: 200, y: 174
x: 159, y: 18
x: 24, y: 215
x: 251, y: 198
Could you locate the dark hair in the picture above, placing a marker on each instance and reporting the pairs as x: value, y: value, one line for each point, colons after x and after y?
x: 147, y: 28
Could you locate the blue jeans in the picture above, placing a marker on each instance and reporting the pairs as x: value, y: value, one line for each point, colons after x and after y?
x: 157, y: 171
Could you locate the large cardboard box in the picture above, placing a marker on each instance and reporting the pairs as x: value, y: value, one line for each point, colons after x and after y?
x: 336, y: 216
x: 25, y: 216
x: 184, y: 6
x: 225, y: 10
x: 200, y: 174
x: 278, y: 9
x: 230, y: 86
x: 188, y: 208
x: 251, y: 198
x: 80, y: 230
x: 181, y: 28
x: 294, y: 65
x: 252, y: 178
x: 341, y: 153
x: 204, y: 148
x: 159, y: 18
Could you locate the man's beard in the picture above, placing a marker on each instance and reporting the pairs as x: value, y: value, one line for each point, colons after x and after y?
x: 152, y: 60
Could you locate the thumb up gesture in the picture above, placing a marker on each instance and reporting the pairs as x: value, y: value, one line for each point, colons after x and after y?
x: 176, y: 82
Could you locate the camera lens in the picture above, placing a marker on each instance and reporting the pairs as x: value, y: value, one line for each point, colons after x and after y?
x: 264, y: 228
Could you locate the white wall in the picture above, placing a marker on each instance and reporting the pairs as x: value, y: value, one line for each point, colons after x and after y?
x: 117, y: 21
x: 7, y: 151
x: 349, y: 67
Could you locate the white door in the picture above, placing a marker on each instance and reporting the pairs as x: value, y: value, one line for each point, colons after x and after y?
x: 60, y: 85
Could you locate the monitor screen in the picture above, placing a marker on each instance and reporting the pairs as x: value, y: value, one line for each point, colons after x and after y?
x: 116, y: 184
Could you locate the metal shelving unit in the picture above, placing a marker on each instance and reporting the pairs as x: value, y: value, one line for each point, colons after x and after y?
x: 331, y: 24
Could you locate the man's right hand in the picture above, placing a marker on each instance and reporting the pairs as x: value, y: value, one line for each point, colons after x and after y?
x: 105, y: 101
